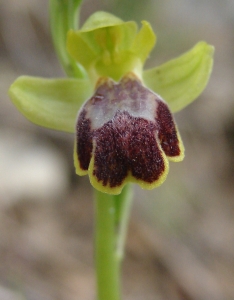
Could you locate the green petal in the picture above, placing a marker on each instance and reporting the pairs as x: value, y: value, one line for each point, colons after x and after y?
x: 79, y: 49
x: 103, y: 46
x: 144, y: 41
x: 52, y: 103
x: 181, y: 80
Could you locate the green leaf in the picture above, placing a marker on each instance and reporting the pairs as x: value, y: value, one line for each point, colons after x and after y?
x: 64, y: 15
x: 181, y: 80
x: 52, y: 103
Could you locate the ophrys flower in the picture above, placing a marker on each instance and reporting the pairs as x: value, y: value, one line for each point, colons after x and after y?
x: 125, y: 131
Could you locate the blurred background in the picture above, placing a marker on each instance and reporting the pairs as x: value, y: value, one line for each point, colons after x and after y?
x: 181, y: 238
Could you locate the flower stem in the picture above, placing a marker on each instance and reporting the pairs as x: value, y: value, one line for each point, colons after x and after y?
x: 112, y: 214
x: 107, y: 266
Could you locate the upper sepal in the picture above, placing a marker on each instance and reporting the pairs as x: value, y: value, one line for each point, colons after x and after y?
x: 107, y: 46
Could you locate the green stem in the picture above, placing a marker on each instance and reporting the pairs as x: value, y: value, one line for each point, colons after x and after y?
x: 64, y: 15
x: 112, y: 214
x: 107, y: 266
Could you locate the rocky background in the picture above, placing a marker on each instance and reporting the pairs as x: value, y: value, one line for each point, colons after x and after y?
x: 181, y: 237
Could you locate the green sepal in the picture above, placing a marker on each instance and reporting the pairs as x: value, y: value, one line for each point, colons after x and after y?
x: 100, y: 19
x: 181, y: 80
x: 51, y: 103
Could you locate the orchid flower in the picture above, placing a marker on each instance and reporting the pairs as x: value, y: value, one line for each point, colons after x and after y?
x: 121, y: 114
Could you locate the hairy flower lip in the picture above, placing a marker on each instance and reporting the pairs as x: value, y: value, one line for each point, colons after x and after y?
x: 125, y: 133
